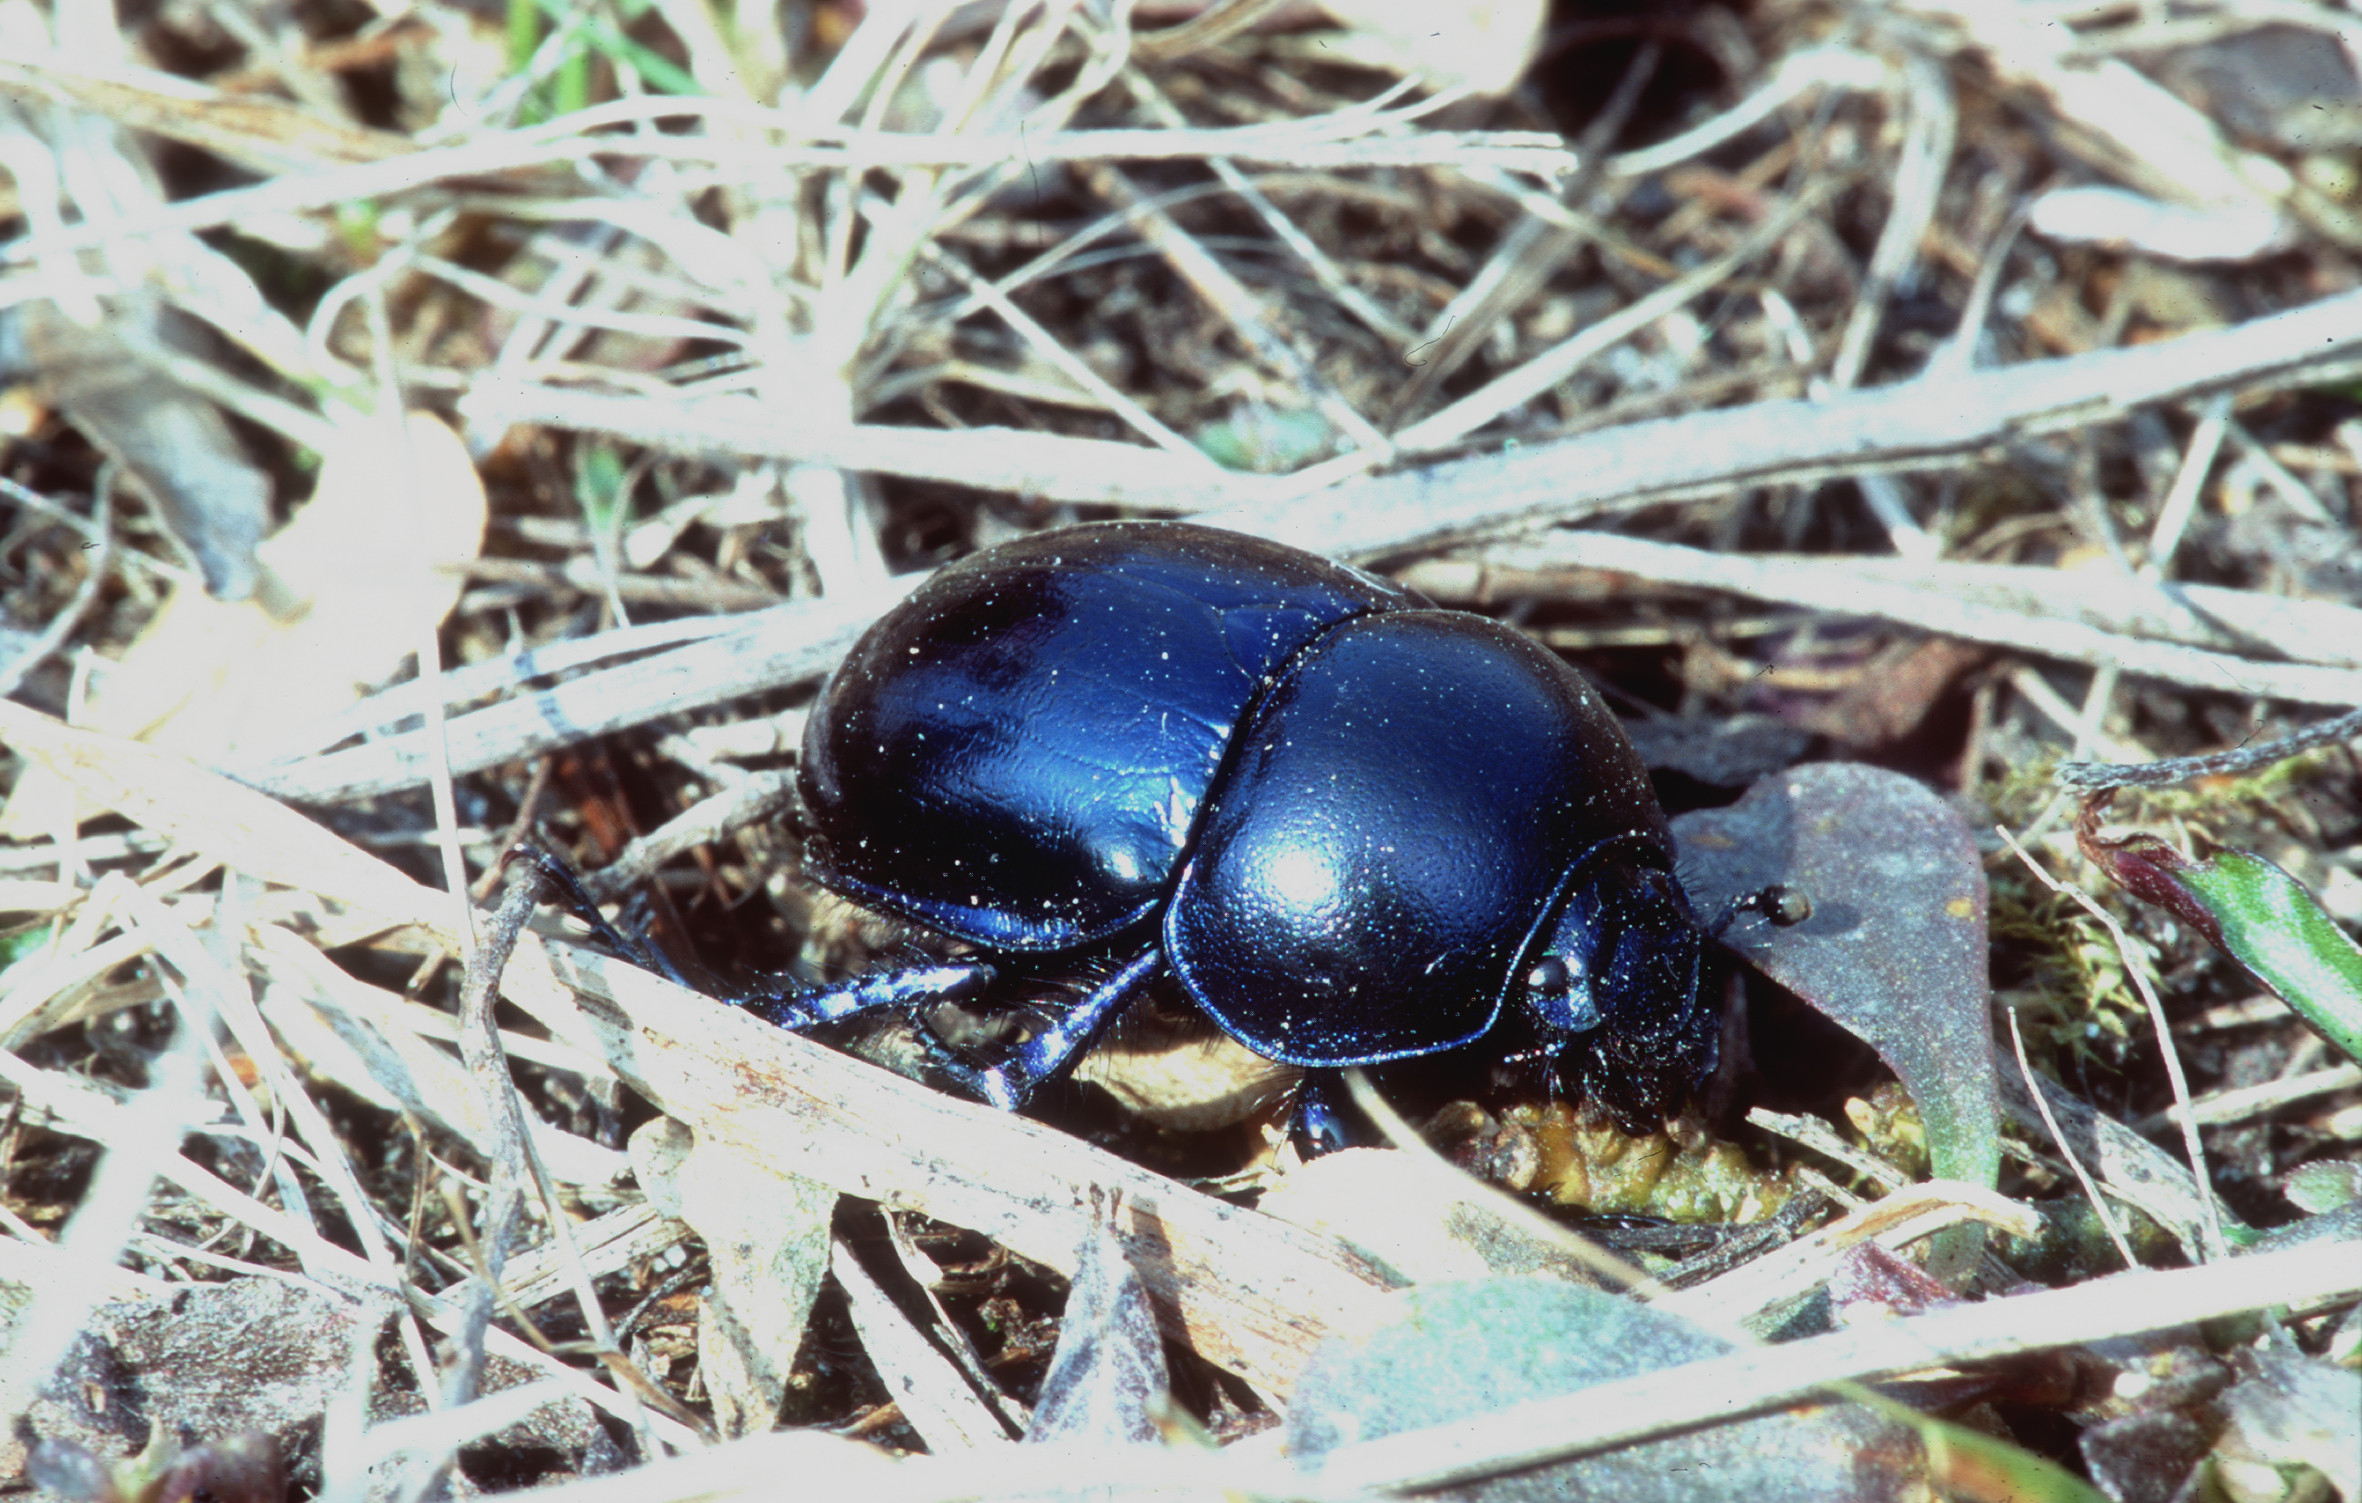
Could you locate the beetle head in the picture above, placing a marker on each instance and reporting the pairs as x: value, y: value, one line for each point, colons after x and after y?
x: 1621, y: 967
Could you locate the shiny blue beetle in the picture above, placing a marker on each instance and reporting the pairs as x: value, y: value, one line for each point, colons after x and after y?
x: 1353, y: 827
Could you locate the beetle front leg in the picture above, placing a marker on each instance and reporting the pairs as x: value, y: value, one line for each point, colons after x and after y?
x: 1010, y: 1084
x: 576, y: 899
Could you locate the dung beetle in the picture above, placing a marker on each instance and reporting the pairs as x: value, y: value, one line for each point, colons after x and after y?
x: 1353, y: 827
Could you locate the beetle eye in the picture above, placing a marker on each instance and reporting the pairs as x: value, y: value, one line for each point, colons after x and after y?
x: 1550, y: 975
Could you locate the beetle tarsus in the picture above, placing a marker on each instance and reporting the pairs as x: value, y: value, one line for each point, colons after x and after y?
x: 577, y: 900
x: 1776, y: 904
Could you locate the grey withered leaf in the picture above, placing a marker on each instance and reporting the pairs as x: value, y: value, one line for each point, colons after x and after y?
x: 1107, y: 1378
x: 1894, y: 948
x: 1453, y: 1351
x: 177, y: 444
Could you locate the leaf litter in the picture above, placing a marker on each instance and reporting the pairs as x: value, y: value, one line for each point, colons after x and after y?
x: 1958, y: 390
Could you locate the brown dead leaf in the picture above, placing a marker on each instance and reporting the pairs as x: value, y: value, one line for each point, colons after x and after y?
x: 1895, y: 694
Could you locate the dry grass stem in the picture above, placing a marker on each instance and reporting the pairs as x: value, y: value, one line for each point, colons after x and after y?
x: 2091, y: 1192
x: 2137, y: 969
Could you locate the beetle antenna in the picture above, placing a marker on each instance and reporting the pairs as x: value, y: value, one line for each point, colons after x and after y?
x: 1777, y: 904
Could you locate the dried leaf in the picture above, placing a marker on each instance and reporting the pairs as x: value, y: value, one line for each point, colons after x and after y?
x: 2324, y: 1185
x: 768, y: 1236
x: 1107, y: 1381
x: 2297, y: 1411
x: 2291, y: 86
x: 347, y: 591
x: 1420, y: 1223
x: 214, y: 498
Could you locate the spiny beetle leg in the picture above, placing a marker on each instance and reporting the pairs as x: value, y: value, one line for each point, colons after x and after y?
x: 1009, y: 1084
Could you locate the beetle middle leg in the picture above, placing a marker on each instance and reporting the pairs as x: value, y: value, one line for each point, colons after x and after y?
x: 1009, y: 1084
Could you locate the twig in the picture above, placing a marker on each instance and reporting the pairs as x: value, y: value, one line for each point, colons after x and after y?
x: 2255, y: 1100
x: 232, y: 1002
x: 2053, y: 707
x: 479, y: 1046
x: 1251, y: 1293
x: 1749, y: 1381
x: 936, y: 1398
x: 1914, y: 425
x: 2181, y: 498
x: 1335, y: 142
x: 383, y: 711
x: 1050, y: 466
x: 1813, y: 1133
x: 1811, y: 68
x: 1757, y: 1379
x: 1925, y: 597
x: 1931, y: 124
x: 528, y: 815
x: 2238, y: 760
x: 1931, y: 127
x: 757, y: 796
x: 786, y: 645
